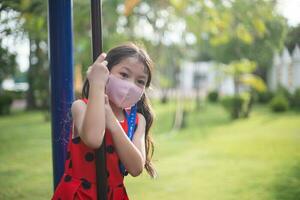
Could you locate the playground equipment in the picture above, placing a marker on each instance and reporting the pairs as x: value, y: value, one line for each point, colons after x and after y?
x: 62, y: 94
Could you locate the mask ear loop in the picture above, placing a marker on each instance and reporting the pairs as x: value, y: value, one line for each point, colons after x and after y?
x: 131, y: 118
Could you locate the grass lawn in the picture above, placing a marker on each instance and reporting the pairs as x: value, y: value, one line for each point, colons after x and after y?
x: 212, y: 158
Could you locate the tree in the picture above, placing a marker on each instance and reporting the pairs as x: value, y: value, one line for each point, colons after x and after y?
x: 233, y: 30
x: 31, y: 24
x: 7, y: 64
x: 240, y: 34
x: 242, y: 73
x: 293, y: 38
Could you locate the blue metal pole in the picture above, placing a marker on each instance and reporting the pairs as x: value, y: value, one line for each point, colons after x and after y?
x: 61, y: 67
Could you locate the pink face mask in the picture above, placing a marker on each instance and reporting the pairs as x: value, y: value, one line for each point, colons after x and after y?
x: 122, y: 93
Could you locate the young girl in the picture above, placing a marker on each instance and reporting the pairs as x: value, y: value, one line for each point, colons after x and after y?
x: 113, y: 93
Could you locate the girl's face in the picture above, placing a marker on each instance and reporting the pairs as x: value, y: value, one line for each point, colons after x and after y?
x: 131, y: 69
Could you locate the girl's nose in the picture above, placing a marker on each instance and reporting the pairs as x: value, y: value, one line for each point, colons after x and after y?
x: 131, y: 80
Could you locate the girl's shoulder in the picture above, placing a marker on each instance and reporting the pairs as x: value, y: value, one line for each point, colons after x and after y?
x: 81, y: 101
x: 78, y: 105
x: 140, y: 117
x: 85, y: 100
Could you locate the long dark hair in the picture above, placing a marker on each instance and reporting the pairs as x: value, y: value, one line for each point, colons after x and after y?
x: 115, y: 56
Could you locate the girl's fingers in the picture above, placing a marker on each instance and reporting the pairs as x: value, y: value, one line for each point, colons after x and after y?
x: 90, y: 67
x: 106, y: 98
x: 104, y: 62
x: 101, y: 58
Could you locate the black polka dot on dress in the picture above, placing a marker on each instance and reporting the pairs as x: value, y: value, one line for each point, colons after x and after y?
x: 68, y: 178
x: 89, y: 157
x: 70, y: 164
x: 76, y: 140
x: 110, y: 149
x: 85, y: 184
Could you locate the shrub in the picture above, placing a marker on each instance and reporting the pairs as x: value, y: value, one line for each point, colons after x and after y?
x: 279, y: 103
x: 264, y: 97
x: 5, y: 103
x: 295, y: 102
x: 283, y: 91
x: 213, y: 96
x: 234, y: 105
x: 16, y: 94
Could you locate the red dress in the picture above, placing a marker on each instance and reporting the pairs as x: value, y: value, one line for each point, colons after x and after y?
x: 79, y: 179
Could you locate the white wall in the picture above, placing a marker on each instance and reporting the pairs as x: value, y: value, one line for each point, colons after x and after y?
x: 296, y: 68
x: 211, y: 79
x: 285, y: 70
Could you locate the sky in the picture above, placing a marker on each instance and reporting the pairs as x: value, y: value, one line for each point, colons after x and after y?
x: 290, y: 9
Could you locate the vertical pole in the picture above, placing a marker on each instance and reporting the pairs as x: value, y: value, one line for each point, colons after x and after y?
x: 61, y: 70
x: 96, y: 21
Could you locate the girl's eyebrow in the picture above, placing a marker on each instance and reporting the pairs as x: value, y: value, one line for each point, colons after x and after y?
x: 141, y: 76
x: 127, y: 68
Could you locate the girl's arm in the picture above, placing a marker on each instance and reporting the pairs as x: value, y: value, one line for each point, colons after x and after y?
x: 89, y: 119
x: 132, y: 154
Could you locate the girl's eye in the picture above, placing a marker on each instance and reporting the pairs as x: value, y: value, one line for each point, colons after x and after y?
x: 141, y: 82
x: 124, y: 75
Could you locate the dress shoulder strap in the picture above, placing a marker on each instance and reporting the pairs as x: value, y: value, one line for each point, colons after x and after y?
x: 137, y: 119
x: 85, y: 100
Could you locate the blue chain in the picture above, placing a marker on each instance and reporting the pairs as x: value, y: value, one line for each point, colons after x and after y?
x: 131, y: 125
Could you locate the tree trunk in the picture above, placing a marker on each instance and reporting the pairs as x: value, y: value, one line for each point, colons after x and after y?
x: 250, y: 104
x: 30, y: 98
x: 43, y: 79
x: 236, y: 85
x: 236, y: 103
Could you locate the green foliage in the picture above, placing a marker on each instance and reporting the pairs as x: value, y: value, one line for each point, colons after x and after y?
x: 255, y: 82
x: 31, y: 22
x: 238, y: 106
x: 239, y: 67
x: 234, y: 105
x: 213, y: 96
x: 5, y: 103
x: 242, y: 70
x: 232, y: 30
x: 293, y: 37
x: 242, y: 29
x: 295, y: 100
x: 242, y: 73
x: 281, y: 90
x: 15, y: 94
x: 279, y: 103
x: 264, y: 97
x: 7, y: 63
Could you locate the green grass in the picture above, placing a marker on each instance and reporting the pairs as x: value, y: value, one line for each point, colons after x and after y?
x: 212, y: 158
x: 25, y: 154
x: 163, y: 117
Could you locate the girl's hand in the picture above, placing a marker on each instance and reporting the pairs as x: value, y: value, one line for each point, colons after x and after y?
x: 97, y: 74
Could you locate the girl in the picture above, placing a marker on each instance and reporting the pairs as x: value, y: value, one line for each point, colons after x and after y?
x: 114, y: 83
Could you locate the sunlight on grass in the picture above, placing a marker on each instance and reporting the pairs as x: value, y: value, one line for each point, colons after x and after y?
x: 212, y: 158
